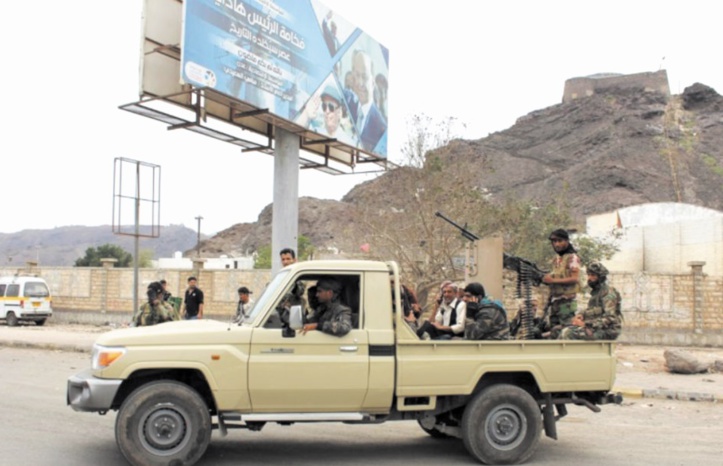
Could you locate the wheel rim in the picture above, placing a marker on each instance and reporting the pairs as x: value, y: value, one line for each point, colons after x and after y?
x: 164, y: 430
x: 505, y: 427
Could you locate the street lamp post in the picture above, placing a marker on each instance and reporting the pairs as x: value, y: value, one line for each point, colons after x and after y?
x: 198, y: 238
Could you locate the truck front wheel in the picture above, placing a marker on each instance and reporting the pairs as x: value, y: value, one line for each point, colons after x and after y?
x: 163, y: 423
x: 502, y: 425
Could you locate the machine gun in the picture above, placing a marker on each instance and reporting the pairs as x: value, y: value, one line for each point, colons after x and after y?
x: 528, y: 275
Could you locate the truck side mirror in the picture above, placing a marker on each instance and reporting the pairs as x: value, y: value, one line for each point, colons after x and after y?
x: 296, y: 317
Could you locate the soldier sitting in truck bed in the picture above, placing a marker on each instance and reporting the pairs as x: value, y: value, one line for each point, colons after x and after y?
x: 486, y: 319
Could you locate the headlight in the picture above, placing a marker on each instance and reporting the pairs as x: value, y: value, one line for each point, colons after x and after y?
x: 104, y: 356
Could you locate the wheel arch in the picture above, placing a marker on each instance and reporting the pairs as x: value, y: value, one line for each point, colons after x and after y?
x: 193, y: 378
x: 522, y: 379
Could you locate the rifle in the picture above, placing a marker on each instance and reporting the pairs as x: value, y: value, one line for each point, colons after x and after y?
x: 528, y: 274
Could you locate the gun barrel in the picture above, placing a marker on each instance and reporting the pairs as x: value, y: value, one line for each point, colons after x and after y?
x: 465, y: 232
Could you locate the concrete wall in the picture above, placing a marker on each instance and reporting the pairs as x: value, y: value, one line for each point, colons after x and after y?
x: 672, y: 309
x: 664, y: 247
x: 576, y: 88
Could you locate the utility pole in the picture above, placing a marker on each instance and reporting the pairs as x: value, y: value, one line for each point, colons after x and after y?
x: 198, y: 238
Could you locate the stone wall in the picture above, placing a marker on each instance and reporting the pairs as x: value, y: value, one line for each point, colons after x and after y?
x: 671, y: 309
x: 576, y: 88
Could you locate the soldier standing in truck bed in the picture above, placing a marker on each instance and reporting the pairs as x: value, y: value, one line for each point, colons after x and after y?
x: 563, y: 283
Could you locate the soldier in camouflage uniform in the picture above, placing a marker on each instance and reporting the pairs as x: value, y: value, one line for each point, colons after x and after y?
x: 155, y: 310
x: 602, y: 320
x: 563, y: 283
x: 486, y: 318
x: 330, y: 316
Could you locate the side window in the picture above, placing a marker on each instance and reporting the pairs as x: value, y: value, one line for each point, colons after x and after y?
x: 13, y: 290
x: 2, y: 290
x: 303, y: 292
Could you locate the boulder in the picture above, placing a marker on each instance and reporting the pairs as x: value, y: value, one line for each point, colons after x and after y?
x: 679, y: 361
x: 717, y: 366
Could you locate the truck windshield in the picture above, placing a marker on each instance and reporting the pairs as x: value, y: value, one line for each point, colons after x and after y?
x: 266, y: 295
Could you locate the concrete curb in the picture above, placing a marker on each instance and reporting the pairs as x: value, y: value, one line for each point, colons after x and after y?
x: 628, y: 392
x: 46, y: 346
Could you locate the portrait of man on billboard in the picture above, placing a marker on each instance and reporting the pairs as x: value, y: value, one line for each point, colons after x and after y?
x: 326, y: 113
x: 364, y: 72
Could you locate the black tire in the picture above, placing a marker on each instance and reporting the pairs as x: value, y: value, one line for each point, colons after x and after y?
x: 163, y: 423
x: 502, y: 425
x: 433, y: 432
x: 12, y: 319
x: 40, y: 322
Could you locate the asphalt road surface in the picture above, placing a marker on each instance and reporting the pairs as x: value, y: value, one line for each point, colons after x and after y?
x: 39, y: 429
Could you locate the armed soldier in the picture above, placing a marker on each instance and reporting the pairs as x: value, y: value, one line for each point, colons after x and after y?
x: 602, y: 320
x: 331, y: 316
x: 563, y: 283
x: 486, y: 318
x: 155, y: 310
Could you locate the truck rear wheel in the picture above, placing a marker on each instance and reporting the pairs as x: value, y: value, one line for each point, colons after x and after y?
x: 12, y: 319
x: 40, y: 322
x: 502, y: 425
x: 163, y: 423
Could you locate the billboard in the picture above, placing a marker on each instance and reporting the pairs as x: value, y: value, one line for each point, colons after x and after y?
x: 295, y: 58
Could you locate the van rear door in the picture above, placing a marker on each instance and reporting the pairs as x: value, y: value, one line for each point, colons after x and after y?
x: 37, y: 298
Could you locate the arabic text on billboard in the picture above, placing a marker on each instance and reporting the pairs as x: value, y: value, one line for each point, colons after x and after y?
x: 296, y: 58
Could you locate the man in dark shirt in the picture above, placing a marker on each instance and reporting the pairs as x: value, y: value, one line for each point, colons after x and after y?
x: 193, y: 302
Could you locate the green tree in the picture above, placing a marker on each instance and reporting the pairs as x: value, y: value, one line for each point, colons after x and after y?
x: 145, y: 258
x: 263, y: 257
x: 94, y: 255
x: 304, y: 251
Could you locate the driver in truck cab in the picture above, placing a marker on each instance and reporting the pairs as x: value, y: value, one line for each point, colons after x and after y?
x: 330, y: 316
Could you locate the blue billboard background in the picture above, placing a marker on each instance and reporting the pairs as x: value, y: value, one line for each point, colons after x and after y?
x: 296, y: 58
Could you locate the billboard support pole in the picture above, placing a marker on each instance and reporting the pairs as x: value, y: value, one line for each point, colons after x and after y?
x: 285, y: 213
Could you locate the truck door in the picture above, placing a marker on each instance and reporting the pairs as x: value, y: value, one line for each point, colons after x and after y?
x: 315, y: 372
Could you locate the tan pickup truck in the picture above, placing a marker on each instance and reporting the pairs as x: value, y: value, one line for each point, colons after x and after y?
x: 170, y: 382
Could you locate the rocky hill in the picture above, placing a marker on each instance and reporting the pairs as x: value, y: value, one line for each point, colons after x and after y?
x: 610, y: 150
x: 63, y: 245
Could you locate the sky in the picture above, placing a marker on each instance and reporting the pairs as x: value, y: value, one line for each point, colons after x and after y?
x: 68, y: 66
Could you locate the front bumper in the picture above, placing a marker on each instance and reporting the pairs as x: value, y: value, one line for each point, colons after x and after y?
x: 89, y: 393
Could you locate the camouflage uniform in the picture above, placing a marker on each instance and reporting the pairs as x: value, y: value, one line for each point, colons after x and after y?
x: 603, y: 318
x: 563, y: 298
x: 333, y: 318
x: 152, y: 314
x: 489, y: 322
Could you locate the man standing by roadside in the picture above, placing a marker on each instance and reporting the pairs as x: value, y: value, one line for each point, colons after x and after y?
x: 288, y: 257
x: 244, y: 304
x: 166, y: 293
x: 193, y: 301
x: 563, y: 283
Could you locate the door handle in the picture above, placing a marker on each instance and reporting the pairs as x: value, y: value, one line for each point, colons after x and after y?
x: 349, y: 349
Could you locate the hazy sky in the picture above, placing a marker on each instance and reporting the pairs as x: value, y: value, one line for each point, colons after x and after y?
x: 69, y: 65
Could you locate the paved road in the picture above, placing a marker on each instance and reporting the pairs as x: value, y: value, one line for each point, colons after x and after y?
x: 39, y: 429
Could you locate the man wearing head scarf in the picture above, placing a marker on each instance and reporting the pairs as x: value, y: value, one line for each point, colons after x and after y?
x: 602, y: 320
x: 563, y: 283
x: 486, y: 318
x: 331, y: 316
x: 449, y: 320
